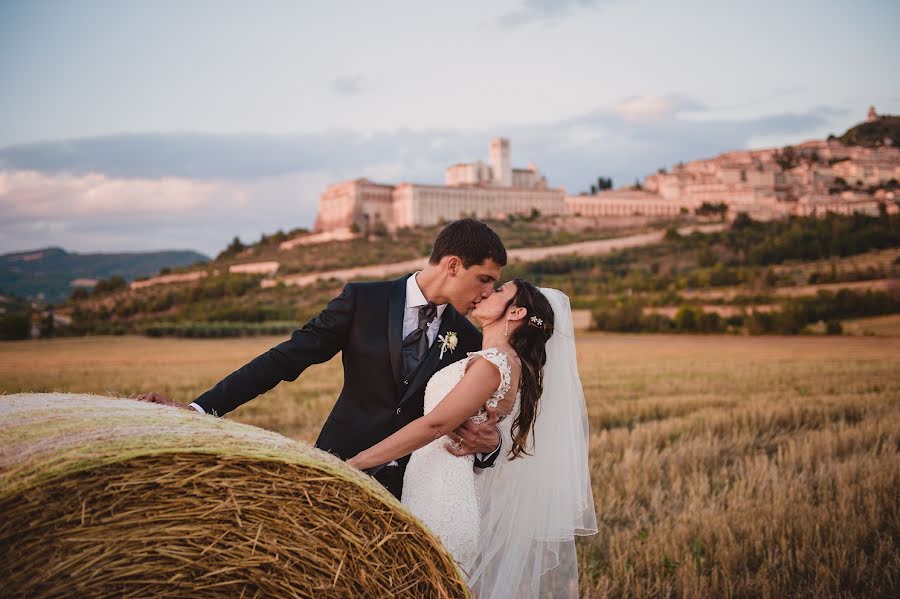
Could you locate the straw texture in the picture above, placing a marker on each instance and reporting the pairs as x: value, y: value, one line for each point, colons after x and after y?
x: 114, y: 497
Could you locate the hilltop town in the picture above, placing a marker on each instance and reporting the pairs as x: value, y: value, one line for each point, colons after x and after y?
x: 811, y: 178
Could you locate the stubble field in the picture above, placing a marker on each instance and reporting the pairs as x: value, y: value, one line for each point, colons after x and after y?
x: 721, y: 466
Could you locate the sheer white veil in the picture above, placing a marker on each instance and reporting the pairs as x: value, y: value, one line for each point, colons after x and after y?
x: 533, y: 507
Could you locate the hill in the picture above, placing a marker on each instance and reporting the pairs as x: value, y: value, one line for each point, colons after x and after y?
x: 48, y: 273
x: 409, y: 243
x: 703, y: 282
x: 875, y: 133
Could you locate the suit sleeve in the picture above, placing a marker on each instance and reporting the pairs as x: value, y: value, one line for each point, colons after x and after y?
x: 318, y: 341
x: 487, y: 461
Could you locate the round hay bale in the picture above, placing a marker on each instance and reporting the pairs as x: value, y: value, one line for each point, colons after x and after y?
x: 114, y: 497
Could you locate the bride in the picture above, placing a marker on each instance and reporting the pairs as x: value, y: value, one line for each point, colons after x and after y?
x: 510, y: 528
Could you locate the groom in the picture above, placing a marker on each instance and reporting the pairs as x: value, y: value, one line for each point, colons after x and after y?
x: 394, y: 336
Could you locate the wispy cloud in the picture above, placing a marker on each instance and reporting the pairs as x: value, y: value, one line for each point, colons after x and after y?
x: 348, y: 86
x: 541, y: 11
x: 655, y: 108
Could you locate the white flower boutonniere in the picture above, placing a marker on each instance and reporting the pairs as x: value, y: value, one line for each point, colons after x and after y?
x: 448, y: 342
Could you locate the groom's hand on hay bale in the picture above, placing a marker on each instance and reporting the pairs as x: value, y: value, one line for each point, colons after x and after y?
x: 471, y: 438
x: 154, y: 397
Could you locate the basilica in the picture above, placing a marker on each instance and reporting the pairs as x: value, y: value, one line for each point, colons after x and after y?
x: 476, y: 189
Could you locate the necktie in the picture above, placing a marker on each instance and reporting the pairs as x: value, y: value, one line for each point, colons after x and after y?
x: 415, y: 345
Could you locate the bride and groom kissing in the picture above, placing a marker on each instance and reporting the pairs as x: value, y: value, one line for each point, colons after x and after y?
x: 482, y: 435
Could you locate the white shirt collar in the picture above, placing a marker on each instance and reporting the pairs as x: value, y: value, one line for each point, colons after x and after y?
x: 415, y: 297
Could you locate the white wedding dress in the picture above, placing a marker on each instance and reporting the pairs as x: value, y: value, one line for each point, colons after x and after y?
x: 439, y: 487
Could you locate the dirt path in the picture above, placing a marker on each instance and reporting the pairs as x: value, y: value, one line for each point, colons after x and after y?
x: 584, y: 248
x: 729, y: 293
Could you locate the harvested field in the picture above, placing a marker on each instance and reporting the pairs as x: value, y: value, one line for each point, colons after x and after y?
x: 722, y: 466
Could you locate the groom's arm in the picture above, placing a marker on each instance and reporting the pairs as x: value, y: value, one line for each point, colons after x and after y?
x: 318, y: 341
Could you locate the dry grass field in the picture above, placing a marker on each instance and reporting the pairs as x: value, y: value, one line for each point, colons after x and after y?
x: 876, y: 325
x: 722, y: 466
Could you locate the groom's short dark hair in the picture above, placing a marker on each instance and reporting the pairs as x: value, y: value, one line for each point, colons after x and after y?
x: 471, y: 240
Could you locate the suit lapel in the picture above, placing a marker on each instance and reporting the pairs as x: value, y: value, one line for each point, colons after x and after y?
x: 396, y: 310
x: 430, y: 363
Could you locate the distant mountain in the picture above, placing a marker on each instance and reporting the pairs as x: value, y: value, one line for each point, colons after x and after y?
x: 874, y: 133
x: 49, y: 273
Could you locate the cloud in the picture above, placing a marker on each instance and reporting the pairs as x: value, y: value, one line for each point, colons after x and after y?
x: 238, y: 157
x: 95, y: 212
x: 546, y: 11
x: 347, y: 86
x: 641, y: 108
x: 133, y: 192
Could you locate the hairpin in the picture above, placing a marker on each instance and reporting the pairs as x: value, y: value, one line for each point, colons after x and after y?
x: 536, y: 321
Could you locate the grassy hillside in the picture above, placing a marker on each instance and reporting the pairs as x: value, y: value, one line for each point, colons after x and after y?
x: 754, y: 261
x: 409, y: 243
x: 48, y: 273
x: 778, y: 265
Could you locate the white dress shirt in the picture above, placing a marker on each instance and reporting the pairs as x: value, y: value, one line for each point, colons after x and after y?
x: 414, y: 300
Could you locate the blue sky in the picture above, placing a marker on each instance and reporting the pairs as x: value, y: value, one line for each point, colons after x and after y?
x: 148, y: 125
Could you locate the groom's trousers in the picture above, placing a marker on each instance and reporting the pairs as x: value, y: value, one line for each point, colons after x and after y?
x: 391, y: 477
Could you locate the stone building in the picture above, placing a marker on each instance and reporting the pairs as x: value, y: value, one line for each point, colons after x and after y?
x: 476, y: 189
x: 807, y: 178
x: 810, y: 178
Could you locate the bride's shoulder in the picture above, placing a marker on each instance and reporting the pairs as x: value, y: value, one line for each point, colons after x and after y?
x: 496, y: 354
x: 504, y: 360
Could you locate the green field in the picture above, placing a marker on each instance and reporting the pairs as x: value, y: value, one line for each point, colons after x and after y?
x: 725, y: 466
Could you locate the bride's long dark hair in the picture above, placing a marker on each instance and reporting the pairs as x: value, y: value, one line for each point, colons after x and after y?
x: 529, y: 342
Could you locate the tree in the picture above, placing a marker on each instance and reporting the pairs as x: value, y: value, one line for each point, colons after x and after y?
x: 672, y: 234
x: 687, y: 319
x: 742, y: 221
x: 15, y: 325
x: 603, y: 183
x: 709, y: 209
x: 47, y: 325
x: 80, y: 293
x: 786, y: 158
x: 114, y: 283
x: 706, y: 257
x: 235, y: 246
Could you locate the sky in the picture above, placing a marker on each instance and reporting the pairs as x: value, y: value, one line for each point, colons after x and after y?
x: 144, y: 125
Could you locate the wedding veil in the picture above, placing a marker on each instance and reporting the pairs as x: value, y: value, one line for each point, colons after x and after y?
x: 533, y: 507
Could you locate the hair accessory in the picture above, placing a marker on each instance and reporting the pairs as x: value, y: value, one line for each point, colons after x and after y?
x: 536, y: 321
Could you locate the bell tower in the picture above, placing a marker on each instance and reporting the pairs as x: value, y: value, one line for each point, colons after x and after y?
x: 500, y: 165
x: 872, y: 116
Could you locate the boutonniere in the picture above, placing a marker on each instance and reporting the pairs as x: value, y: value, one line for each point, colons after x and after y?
x: 448, y: 342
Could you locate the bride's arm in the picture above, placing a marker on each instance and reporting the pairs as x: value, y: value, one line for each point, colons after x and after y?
x: 472, y: 391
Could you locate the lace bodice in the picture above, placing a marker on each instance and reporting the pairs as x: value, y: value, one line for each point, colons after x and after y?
x: 446, y: 379
x: 438, y: 487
